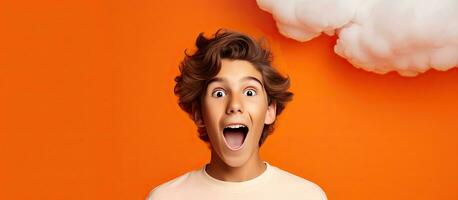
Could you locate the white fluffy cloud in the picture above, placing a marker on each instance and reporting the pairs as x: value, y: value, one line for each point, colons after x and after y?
x: 407, y: 36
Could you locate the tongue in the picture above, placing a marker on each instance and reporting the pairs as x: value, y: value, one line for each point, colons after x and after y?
x: 234, y: 139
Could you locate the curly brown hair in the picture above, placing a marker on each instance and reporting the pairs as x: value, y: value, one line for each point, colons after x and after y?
x: 198, y: 68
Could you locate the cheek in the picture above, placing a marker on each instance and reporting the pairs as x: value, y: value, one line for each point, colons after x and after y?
x: 212, y: 112
x: 257, y: 111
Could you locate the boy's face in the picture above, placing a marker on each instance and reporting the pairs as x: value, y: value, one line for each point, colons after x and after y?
x: 234, y: 111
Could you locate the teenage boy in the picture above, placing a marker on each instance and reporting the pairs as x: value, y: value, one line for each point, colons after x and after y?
x: 233, y: 94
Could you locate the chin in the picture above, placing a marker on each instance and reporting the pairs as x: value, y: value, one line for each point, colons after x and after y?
x: 235, y: 162
x: 237, y: 159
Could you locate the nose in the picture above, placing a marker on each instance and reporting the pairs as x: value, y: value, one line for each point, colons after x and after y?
x: 234, y: 105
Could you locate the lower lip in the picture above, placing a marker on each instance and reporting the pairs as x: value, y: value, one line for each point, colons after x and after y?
x: 239, y: 148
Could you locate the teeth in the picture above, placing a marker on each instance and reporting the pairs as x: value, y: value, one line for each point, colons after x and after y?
x: 235, y: 126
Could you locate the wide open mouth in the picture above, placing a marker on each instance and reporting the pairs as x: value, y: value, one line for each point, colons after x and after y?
x: 235, y: 135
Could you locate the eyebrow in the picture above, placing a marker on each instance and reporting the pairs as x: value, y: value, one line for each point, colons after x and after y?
x: 219, y: 79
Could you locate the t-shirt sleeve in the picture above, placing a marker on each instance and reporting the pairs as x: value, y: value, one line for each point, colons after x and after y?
x: 152, y: 195
x: 318, y: 192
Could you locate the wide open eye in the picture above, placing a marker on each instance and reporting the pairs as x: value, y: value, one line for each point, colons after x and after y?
x: 250, y: 92
x: 218, y: 93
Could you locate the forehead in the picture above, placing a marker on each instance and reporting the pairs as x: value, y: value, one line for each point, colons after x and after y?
x: 237, y: 71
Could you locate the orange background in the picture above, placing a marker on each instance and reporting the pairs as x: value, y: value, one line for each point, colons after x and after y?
x: 87, y: 109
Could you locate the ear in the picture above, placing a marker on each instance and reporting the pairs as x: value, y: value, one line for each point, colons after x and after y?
x: 271, y: 113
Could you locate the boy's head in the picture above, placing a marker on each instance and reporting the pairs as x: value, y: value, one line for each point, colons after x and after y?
x: 228, y: 81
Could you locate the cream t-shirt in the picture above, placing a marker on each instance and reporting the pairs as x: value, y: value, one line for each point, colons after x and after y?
x: 273, y: 183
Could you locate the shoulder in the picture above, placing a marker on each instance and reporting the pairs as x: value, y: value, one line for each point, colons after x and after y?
x: 298, y: 186
x: 169, y: 188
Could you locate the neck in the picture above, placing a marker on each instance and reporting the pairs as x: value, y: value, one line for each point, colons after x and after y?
x: 218, y: 169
